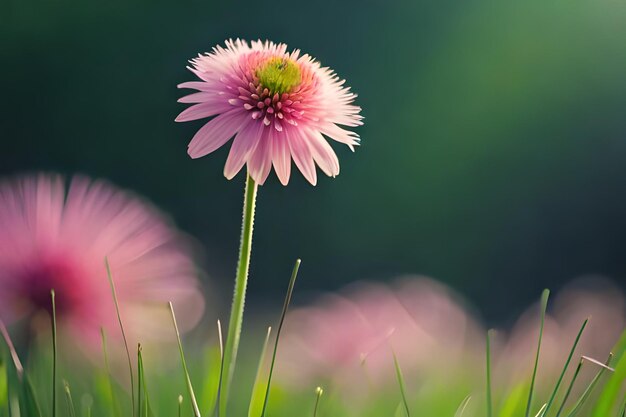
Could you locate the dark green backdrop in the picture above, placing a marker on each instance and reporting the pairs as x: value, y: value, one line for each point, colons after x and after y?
x: 493, y: 155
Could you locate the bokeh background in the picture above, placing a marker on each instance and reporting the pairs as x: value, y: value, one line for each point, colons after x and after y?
x: 493, y: 156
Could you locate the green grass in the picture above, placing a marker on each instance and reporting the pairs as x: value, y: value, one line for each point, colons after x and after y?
x: 95, y: 390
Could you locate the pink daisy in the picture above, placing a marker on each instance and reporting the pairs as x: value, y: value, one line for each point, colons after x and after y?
x: 53, y: 238
x: 278, y: 105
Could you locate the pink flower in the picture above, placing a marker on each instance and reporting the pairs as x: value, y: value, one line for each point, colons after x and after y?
x: 278, y: 105
x: 57, y: 239
x: 350, y: 336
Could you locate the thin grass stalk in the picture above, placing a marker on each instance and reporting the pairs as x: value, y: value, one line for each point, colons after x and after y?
x: 68, y: 398
x: 488, y: 353
x: 119, y: 320
x: 219, y: 381
x: 192, y: 395
x: 292, y: 283
x: 114, y: 403
x: 400, y: 379
x: 567, y: 362
x: 578, y: 406
x: 544, y: 305
x: 54, y: 353
x: 569, y: 388
x: 318, y: 394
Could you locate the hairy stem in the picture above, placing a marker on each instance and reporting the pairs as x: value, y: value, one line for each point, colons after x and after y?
x: 239, y: 297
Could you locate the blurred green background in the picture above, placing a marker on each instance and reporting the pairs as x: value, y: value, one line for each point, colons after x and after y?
x: 493, y: 156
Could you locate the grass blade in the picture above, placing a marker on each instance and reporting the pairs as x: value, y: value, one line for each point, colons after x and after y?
x: 569, y: 388
x: 145, y: 409
x: 180, y: 406
x: 607, y: 400
x: 221, y: 376
x: 462, y: 406
x: 400, y: 379
x: 68, y: 398
x: 318, y: 394
x: 488, y: 353
x: 544, y: 305
x: 542, y: 411
x: 114, y: 403
x: 54, y: 354
x: 292, y: 283
x: 119, y: 319
x: 577, y: 407
x: 16, y: 360
x: 257, y: 399
x: 4, y: 383
x: 192, y: 396
x: 567, y: 362
x: 139, y: 380
x: 26, y: 393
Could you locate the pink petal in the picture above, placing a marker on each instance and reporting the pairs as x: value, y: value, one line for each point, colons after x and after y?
x: 215, y: 133
x: 243, y: 145
x: 302, y: 155
x: 323, y: 154
x: 203, y: 110
x: 340, y: 135
x: 281, y: 157
x: 260, y: 162
x: 200, y: 97
x: 198, y: 85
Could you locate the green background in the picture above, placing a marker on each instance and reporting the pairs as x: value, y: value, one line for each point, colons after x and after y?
x: 493, y: 152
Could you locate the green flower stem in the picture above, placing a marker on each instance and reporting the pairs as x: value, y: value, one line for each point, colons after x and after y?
x: 239, y: 297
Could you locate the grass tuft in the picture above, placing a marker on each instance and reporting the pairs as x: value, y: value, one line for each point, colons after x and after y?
x: 567, y: 362
x: 26, y: 402
x: 583, y: 398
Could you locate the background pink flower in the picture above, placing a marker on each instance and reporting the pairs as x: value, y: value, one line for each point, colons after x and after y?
x: 53, y: 238
x: 279, y: 105
x: 350, y: 337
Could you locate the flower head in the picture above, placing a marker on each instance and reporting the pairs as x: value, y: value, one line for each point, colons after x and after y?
x: 57, y: 239
x: 278, y: 105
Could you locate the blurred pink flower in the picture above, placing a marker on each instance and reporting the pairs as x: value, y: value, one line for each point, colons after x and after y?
x: 277, y: 104
x: 350, y: 337
x: 53, y: 239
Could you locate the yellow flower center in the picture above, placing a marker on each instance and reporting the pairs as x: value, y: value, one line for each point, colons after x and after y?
x: 279, y: 75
